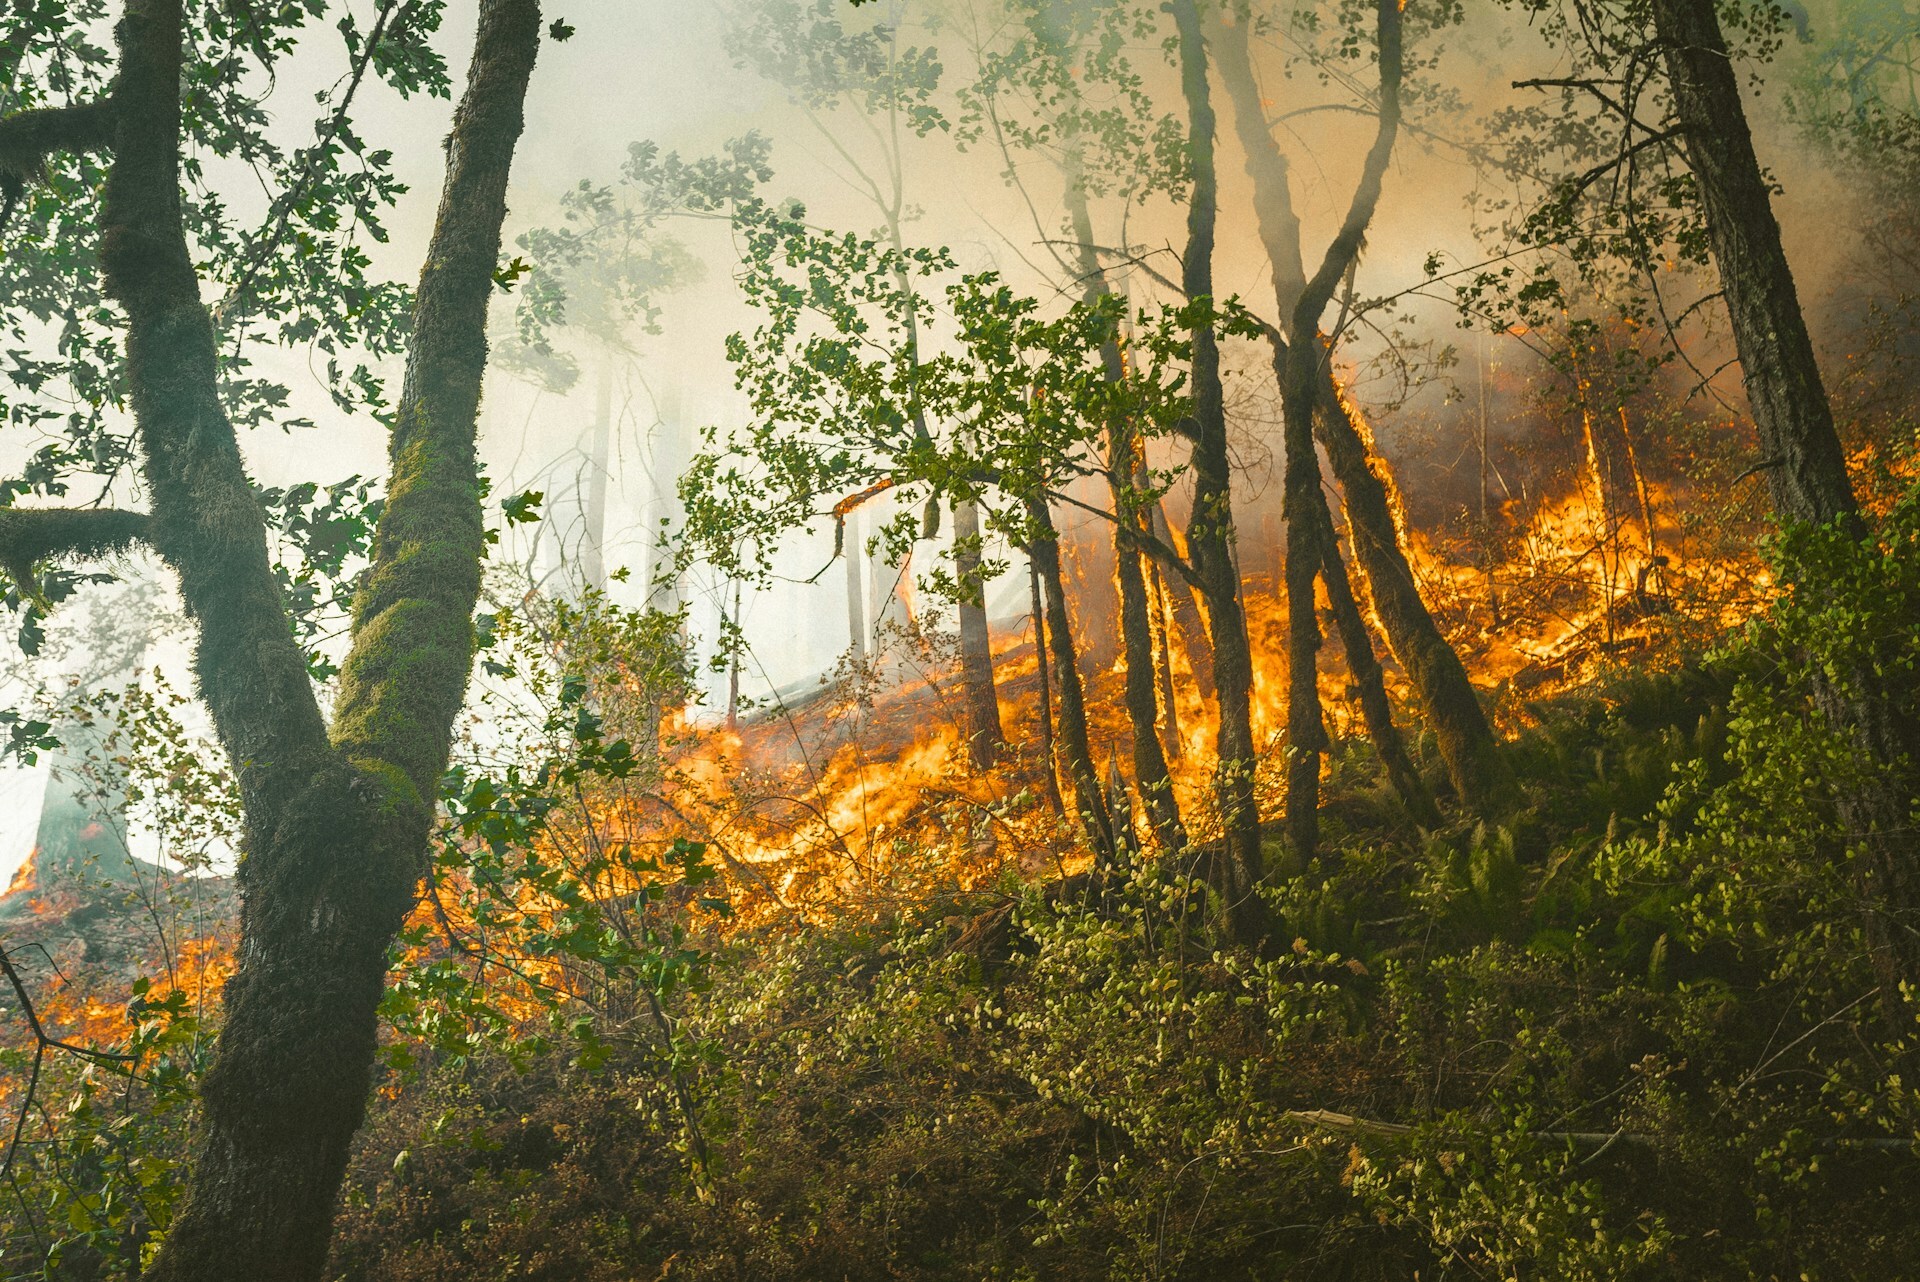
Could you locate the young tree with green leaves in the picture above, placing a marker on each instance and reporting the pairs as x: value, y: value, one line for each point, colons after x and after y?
x: 1015, y: 405
x: 826, y: 65
x: 337, y: 811
x: 1059, y: 83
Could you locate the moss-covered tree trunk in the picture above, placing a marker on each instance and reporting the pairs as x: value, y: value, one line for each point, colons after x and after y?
x: 1440, y: 683
x: 1804, y: 465
x: 336, y: 823
x: 1210, y: 531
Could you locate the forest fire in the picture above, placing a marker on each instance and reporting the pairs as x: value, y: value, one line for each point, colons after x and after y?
x: 1013, y: 639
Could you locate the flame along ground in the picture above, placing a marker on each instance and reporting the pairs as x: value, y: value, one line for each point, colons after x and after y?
x: 861, y: 800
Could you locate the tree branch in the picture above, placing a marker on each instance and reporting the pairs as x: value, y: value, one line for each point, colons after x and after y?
x: 405, y: 678
x: 1142, y: 541
x: 31, y: 535
x: 205, y: 521
x: 288, y: 200
x: 27, y: 138
x: 28, y: 535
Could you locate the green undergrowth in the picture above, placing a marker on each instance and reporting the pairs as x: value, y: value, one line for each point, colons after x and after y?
x: 1629, y: 1029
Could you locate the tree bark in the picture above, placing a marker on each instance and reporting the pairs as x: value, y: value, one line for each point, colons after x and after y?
x: 1301, y: 505
x: 1159, y: 617
x: 1188, y: 622
x: 1805, y: 465
x: 1041, y: 662
x: 1305, y: 505
x: 1070, y: 729
x: 1151, y: 776
x: 853, y: 551
x: 336, y: 825
x: 1440, y: 683
x: 1363, y: 666
x: 985, y: 738
x: 1210, y: 530
x: 1479, y: 773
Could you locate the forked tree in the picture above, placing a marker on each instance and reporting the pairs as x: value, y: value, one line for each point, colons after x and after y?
x: 337, y: 810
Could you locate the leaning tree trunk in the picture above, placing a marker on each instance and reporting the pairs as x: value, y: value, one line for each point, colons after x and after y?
x: 1440, y: 682
x: 1369, y: 681
x: 1210, y: 531
x: 1150, y: 774
x: 1070, y: 701
x: 336, y: 825
x: 1805, y: 466
x: 1478, y: 771
x: 985, y: 737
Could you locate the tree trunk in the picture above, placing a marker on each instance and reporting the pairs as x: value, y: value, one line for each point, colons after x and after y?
x: 1150, y: 774
x: 335, y: 827
x: 593, y: 511
x: 1369, y: 682
x: 985, y: 738
x: 1210, y: 531
x: 853, y: 551
x: 1805, y: 466
x: 1479, y: 773
x: 1440, y: 683
x: 1040, y: 659
x: 1160, y: 617
x: 1306, y: 725
x: 1188, y: 622
x: 1305, y: 506
x: 733, y: 674
x: 1070, y: 737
